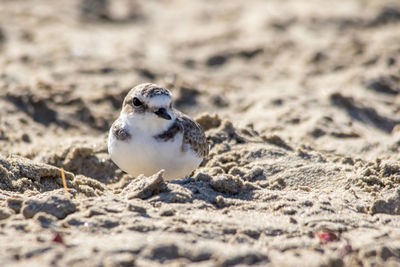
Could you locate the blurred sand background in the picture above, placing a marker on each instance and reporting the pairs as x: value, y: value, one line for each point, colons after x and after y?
x: 300, y: 100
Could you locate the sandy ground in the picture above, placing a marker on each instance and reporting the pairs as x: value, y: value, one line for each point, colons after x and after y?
x: 300, y: 100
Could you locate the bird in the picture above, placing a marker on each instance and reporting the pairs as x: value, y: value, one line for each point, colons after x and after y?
x: 151, y: 135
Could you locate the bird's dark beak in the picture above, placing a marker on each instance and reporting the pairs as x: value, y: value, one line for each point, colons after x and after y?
x: 162, y: 113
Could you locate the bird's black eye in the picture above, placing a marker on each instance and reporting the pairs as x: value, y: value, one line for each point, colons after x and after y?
x: 136, y: 102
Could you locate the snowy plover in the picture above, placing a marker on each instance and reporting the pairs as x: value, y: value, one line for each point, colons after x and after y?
x: 151, y: 135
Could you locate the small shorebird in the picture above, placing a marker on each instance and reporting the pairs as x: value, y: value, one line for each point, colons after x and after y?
x: 151, y: 135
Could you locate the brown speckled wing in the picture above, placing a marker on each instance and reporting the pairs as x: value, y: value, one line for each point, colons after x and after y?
x: 193, y: 135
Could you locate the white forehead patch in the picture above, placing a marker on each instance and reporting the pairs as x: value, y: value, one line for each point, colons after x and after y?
x: 159, y: 101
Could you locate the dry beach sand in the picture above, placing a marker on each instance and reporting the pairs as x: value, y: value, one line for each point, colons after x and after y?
x: 300, y: 100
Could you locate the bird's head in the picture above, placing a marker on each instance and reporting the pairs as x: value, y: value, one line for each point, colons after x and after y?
x: 148, y: 107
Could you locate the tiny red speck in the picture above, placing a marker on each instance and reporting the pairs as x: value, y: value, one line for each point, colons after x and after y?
x: 326, y: 237
x: 346, y: 250
x: 58, y: 238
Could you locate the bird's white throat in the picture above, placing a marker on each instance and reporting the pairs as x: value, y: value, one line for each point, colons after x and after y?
x: 147, y: 123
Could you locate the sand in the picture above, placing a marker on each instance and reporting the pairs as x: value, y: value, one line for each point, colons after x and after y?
x: 299, y: 100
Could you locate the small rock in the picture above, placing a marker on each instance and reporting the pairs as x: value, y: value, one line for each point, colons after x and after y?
x: 94, y: 212
x: 163, y: 252
x: 57, y: 206
x: 45, y: 220
x: 389, y: 206
x: 307, y: 203
x: 4, y: 214
x: 335, y: 262
x: 167, y: 212
x: 248, y: 258
x: 227, y: 184
x: 2, y: 37
x: 254, y: 173
x: 217, y: 60
x: 388, y: 14
x: 114, y: 208
x: 203, y: 177
x: 109, y: 223
x: 348, y: 160
x: 238, y: 171
x: 387, y: 85
x: 26, y: 138
x: 219, y: 101
x: 137, y: 207
x: 289, y: 211
x: 73, y: 222
x: 369, y: 253
x: 386, y: 253
x: 144, y: 187
x: 253, y: 233
x: 15, y: 204
x: 175, y: 193
x: 121, y: 260
x: 220, y: 201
